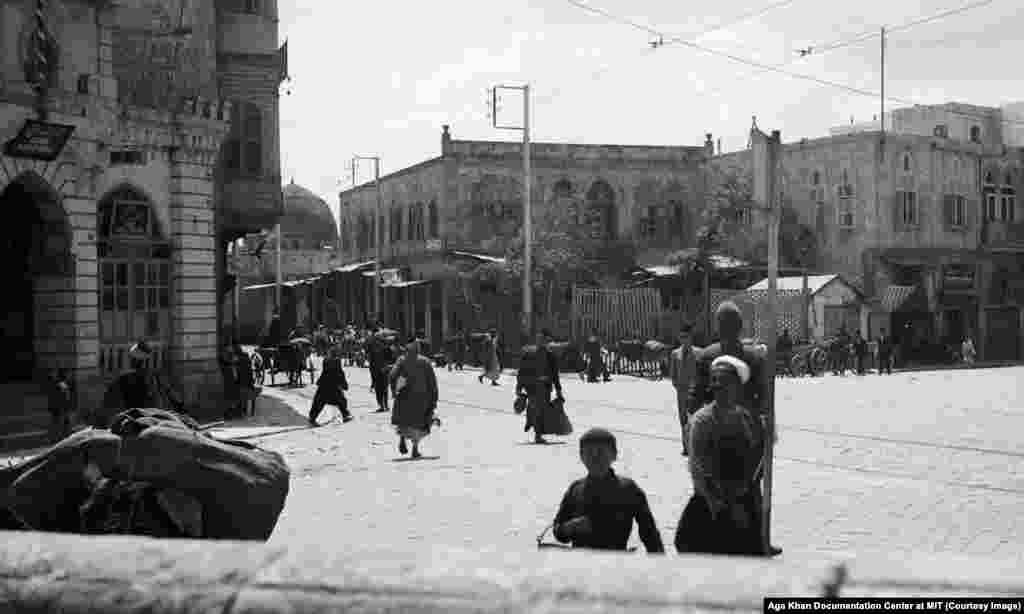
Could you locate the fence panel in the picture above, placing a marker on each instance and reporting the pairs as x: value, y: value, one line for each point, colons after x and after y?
x: 633, y: 313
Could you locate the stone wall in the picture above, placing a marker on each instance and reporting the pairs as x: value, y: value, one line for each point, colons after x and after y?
x: 42, y: 573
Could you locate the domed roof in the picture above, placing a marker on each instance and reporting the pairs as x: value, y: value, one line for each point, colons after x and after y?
x: 307, y: 215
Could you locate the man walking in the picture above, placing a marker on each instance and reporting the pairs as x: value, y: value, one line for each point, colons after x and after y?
x: 537, y: 377
x: 330, y: 388
x: 681, y: 366
x: 595, y: 361
x: 884, y: 353
x: 730, y: 325
x: 380, y: 358
x: 860, y: 351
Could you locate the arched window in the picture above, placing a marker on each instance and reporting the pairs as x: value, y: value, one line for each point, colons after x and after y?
x: 433, y: 221
x: 244, y: 147
x: 991, y: 197
x: 975, y: 134
x: 135, y: 270
x: 817, y: 190
x: 906, y: 163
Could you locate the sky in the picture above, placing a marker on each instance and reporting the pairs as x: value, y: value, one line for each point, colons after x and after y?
x: 382, y: 77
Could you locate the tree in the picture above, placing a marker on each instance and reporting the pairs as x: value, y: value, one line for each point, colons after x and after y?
x: 730, y: 227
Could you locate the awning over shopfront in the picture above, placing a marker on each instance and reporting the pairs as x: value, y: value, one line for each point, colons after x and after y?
x: 385, y: 273
x: 478, y: 257
x: 405, y: 284
x: 351, y: 268
x: 896, y: 297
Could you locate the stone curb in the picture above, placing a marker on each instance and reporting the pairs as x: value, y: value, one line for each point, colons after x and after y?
x: 43, y: 573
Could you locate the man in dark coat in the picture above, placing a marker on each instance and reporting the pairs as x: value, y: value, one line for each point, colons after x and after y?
x: 380, y: 358
x: 595, y: 361
x: 884, y: 353
x: 330, y: 388
x: 537, y: 377
x: 275, y: 334
x: 730, y: 325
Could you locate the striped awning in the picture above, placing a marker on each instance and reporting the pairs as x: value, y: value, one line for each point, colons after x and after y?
x: 895, y: 296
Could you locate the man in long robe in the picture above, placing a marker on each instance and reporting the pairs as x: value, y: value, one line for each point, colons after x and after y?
x: 595, y: 361
x: 537, y: 377
x: 730, y: 325
x: 415, y: 389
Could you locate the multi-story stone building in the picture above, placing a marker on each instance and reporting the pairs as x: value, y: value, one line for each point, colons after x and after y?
x: 115, y: 234
x: 468, y: 202
x: 924, y: 217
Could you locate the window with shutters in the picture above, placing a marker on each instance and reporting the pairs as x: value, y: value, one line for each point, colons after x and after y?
x: 817, y: 189
x: 955, y: 211
x: 908, y: 214
x: 433, y: 221
x: 1007, y: 200
x: 991, y: 198
x: 649, y: 223
x: 134, y: 270
x: 243, y: 151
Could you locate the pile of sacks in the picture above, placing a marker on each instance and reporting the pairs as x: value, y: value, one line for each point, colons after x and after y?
x: 153, y: 473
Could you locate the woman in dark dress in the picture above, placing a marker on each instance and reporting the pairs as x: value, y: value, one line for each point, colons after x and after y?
x: 724, y: 460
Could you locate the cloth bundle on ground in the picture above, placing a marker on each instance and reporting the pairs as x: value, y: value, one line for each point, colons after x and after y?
x: 150, y: 458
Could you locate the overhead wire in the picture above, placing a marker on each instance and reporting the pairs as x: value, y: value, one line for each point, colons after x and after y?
x: 722, y: 25
x: 669, y: 39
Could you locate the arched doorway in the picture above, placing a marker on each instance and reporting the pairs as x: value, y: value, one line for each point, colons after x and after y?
x: 34, y: 252
x: 135, y: 279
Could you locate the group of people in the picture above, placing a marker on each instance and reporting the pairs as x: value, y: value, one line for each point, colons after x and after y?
x: 721, y: 406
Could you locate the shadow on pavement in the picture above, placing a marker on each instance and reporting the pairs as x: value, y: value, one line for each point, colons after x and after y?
x: 406, y: 459
x: 270, y: 412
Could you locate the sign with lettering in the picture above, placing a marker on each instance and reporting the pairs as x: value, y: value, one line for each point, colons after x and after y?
x: 39, y: 141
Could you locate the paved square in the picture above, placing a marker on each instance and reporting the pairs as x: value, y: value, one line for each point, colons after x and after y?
x: 929, y: 461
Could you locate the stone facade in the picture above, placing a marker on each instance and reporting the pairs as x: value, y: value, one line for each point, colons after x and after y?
x: 475, y: 187
x: 128, y: 213
x: 644, y: 199
x: 907, y: 208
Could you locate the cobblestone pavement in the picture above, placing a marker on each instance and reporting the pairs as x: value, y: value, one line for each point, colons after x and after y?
x: 927, y: 461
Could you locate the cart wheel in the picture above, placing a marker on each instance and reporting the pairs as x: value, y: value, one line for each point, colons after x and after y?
x: 798, y: 365
x: 818, y: 360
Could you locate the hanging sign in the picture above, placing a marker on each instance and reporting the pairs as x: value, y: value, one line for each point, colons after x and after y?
x: 39, y: 140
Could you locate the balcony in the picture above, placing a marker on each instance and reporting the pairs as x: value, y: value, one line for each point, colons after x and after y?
x: 250, y: 204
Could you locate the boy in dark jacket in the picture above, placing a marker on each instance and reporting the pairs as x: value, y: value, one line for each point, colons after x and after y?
x: 598, y: 511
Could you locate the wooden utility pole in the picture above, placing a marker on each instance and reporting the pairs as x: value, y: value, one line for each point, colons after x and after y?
x: 766, y: 153
x: 774, y: 216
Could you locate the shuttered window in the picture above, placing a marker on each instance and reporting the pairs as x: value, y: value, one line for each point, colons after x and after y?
x: 954, y: 211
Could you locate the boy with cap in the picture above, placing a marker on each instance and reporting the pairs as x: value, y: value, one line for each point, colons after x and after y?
x: 598, y: 511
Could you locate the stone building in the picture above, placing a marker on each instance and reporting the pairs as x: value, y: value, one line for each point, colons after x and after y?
x: 309, y: 245
x: 467, y: 203
x: 115, y: 237
x: 924, y: 218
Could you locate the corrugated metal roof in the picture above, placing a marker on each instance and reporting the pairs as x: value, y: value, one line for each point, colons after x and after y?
x: 383, y: 272
x: 406, y: 284
x: 351, y: 268
x: 895, y: 296
x: 814, y: 283
x: 482, y: 257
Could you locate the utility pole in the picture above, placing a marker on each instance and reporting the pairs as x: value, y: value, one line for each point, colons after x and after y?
x: 882, y: 97
x: 527, y: 322
x: 277, y: 269
x: 766, y: 150
x: 378, y: 295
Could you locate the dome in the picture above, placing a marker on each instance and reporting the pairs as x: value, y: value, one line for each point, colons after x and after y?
x: 307, y: 219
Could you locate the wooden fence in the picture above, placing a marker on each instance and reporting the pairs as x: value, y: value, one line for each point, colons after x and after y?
x: 633, y: 313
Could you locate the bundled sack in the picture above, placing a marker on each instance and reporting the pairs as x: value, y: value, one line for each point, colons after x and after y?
x: 240, y: 488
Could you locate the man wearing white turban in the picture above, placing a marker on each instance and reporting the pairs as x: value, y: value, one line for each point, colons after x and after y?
x: 721, y: 516
x: 730, y: 325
